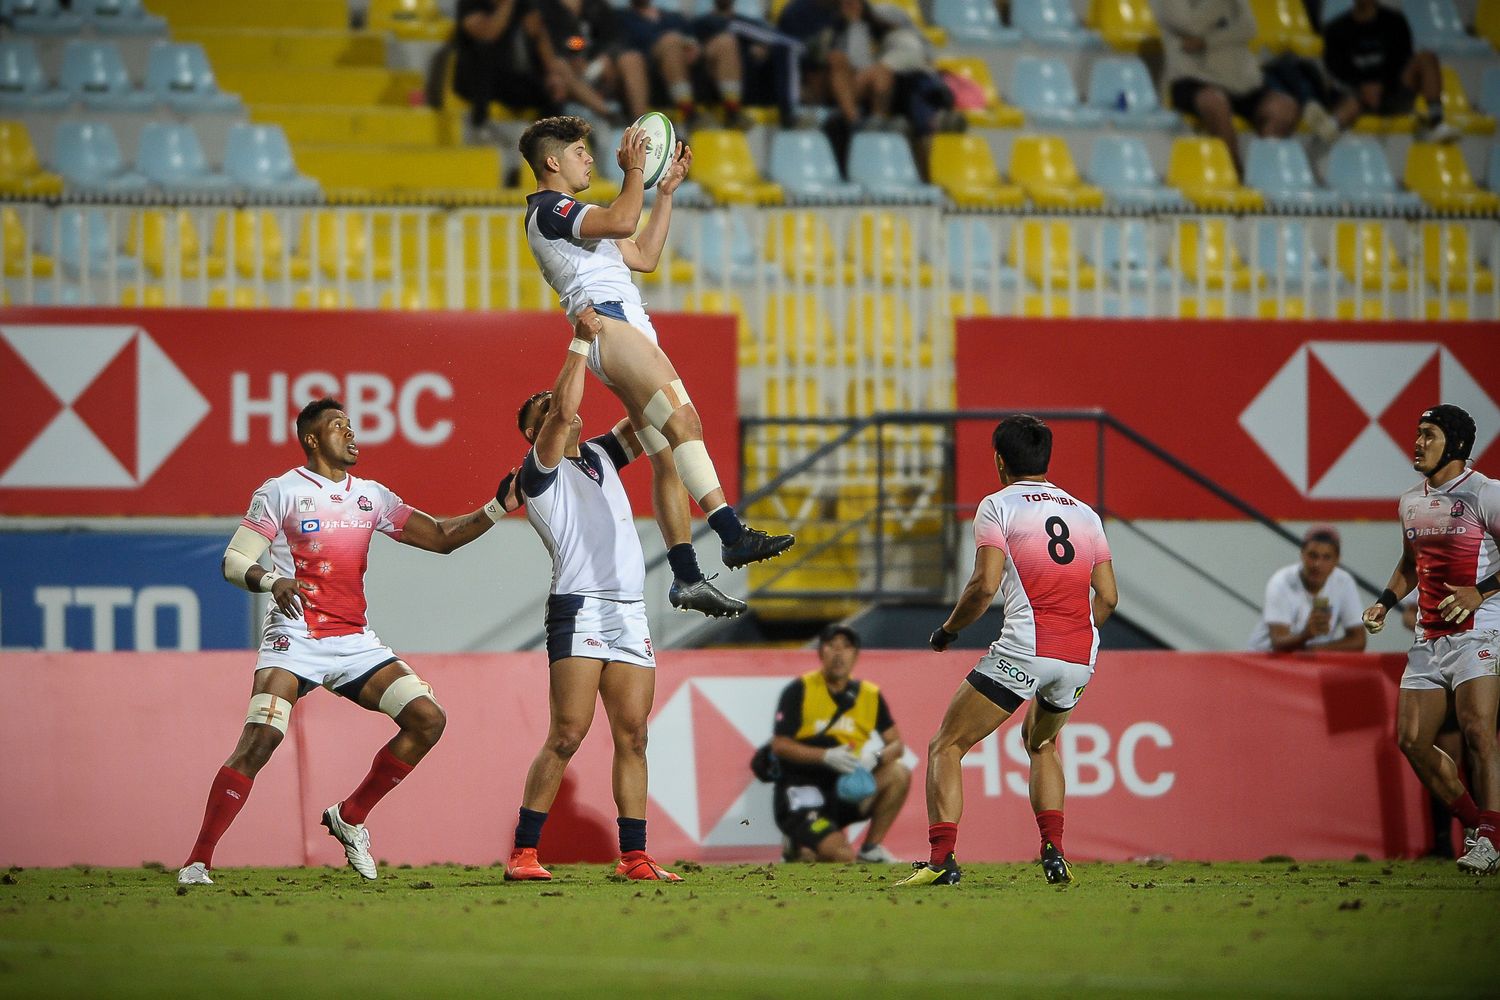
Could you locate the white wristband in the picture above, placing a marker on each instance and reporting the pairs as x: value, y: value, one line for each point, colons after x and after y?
x: 494, y: 511
x: 268, y: 580
x: 579, y: 346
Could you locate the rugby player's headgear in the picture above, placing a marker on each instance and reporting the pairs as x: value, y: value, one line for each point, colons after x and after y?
x: 1458, y: 431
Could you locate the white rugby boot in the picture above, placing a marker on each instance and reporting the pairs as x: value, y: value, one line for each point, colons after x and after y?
x: 1482, y: 858
x: 356, y: 841
x: 194, y: 874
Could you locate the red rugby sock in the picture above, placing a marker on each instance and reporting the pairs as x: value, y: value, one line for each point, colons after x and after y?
x: 1464, y: 808
x: 943, y: 837
x: 226, y: 797
x: 386, y: 772
x: 1489, y: 826
x: 1050, y: 823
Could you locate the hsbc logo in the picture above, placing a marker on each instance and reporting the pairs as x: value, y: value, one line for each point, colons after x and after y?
x: 1339, y: 418
x: 91, y: 406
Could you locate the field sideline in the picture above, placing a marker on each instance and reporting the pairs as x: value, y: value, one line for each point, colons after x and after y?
x: 1275, y: 928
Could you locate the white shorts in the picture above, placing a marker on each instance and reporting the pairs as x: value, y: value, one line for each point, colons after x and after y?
x: 340, y: 663
x: 599, y: 629
x: 1450, y: 660
x: 1009, y: 680
x: 627, y: 312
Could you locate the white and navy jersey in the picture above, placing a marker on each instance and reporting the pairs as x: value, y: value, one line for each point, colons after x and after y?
x: 583, y: 516
x: 581, y: 271
x: 1453, y: 531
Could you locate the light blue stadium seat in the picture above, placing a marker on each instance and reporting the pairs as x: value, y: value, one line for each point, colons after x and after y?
x: 1121, y: 166
x: 753, y: 9
x: 1121, y: 88
x: 1435, y: 25
x: 974, y: 257
x: 1279, y: 169
x: 974, y: 21
x: 881, y: 163
x: 1358, y: 171
x: 1489, y: 91
x: 802, y: 162
x: 1044, y: 89
x: 1492, y: 179
x: 258, y: 158
x: 1296, y: 255
x: 84, y: 244
x: 121, y: 17
x: 88, y: 156
x: 23, y: 86
x: 94, y: 73
x: 1053, y: 22
x: 1335, y: 8
x: 1125, y: 256
x: 39, y: 17
x: 719, y: 242
x: 172, y: 158
x: 180, y: 77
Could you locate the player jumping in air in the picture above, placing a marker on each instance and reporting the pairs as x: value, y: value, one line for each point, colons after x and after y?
x: 317, y: 520
x: 1046, y: 553
x: 586, y: 253
x: 1451, y: 521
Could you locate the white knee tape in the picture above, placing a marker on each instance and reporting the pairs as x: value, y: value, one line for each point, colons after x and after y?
x: 695, y: 469
x: 403, y: 691
x: 269, y: 710
x: 668, y: 400
x: 652, y: 440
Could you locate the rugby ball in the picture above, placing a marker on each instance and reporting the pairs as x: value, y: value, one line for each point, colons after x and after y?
x: 661, y: 139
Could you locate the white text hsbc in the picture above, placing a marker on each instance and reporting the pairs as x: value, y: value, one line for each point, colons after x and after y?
x: 379, y: 407
x: 1092, y: 762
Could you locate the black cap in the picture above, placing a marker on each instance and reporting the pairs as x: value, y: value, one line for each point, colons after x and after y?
x: 839, y: 628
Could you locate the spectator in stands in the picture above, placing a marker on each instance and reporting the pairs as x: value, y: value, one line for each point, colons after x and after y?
x: 1369, y: 49
x: 502, y: 53
x: 1312, y: 604
x: 769, y: 58
x: 811, y: 22
x: 586, y: 38
x: 665, y: 39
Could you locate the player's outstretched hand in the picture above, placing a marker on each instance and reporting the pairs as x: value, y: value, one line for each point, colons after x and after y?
x: 1374, y: 618
x: 1460, y: 603
x: 588, y: 325
x: 841, y: 759
x: 632, y: 151
x: 506, y: 493
x: 682, y: 161
x: 941, y: 638
x: 287, y: 593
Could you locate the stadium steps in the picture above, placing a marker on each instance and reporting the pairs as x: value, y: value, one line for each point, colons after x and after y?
x: 342, y: 85
x: 312, y: 49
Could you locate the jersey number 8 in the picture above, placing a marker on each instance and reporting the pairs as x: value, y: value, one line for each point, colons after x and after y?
x: 1059, y: 548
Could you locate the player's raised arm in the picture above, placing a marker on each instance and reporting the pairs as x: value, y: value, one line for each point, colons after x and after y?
x: 619, y: 219
x: 643, y: 253
x: 445, y: 535
x: 1403, y: 579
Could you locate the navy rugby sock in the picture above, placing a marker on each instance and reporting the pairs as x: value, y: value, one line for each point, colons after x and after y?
x: 726, y: 524
x: 632, y: 834
x: 529, y: 829
x: 684, y: 562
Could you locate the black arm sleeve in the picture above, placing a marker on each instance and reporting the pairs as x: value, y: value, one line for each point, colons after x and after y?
x: 789, y: 710
x: 556, y: 214
x: 883, y: 720
x: 533, y: 481
x: 611, y: 446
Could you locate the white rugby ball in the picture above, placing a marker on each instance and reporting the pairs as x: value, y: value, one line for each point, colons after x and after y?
x: 661, y: 140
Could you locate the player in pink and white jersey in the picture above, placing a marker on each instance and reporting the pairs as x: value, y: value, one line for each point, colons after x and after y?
x: 1451, y: 521
x: 318, y: 520
x: 1045, y: 552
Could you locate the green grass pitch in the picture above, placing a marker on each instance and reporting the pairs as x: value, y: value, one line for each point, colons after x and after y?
x: 1276, y: 928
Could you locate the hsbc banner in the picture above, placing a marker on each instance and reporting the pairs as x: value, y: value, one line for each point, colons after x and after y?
x: 186, y: 411
x: 1303, y: 420
x: 1194, y: 756
x: 106, y: 591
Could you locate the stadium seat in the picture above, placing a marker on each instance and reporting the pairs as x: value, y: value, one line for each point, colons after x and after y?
x: 1044, y: 168
x: 881, y: 164
x: 884, y: 250
x: 1278, y: 168
x: 409, y: 20
x: 366, y: 171
x: 23, y: 86
x: 121, y: 17
x: 994, y: 113
x: 1124, y: 24
x: 1202, y: 251
x: 1283, y: 26
x: 910, y: 9
x: 14, y: 242
x: 88, y: 156
x: 20, y: 173
x: 1045, y: 91
x: 326, y: 297
x: 340, y: 244
x: 1044, y: 252
x: 963, y: 166
x: 1447, y: 256
x: 1358, y: 171
x: 797, y: 329
x: 1366, y: 257
x: 1493, y: 177
x: 802, y: 162
x: 1126, y: 257
x: 1435, y: 25
x: 973, y: 256
x: 171, y: 157
x: 880, y: 328
x: 1457, y: 111
x: 1487, y: 26
x: 39, y: 17
x: 84, y: 244
x: 724, y: 166
x: 1439, y: 174
x: 1121, y: 87
x: 1201, y: 169
x: 279, y: 15
x: 94, y: 73
x: 239, y: 297
x: 803, y: 245
x: 259, y: 247
x: 720, y: 244
x: 180, y: 77
x: 161, y: 238
x: 1052, y: 22
x: 1284, y: 252
x: 258, y: 158
x: 975, y: 22
x: 1489, y: 88
x: 1121, y: 166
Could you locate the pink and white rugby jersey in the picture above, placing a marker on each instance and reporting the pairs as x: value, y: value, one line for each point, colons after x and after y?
x: 1052, y: 543
x: 320, y: 533
x: 1452, y: 529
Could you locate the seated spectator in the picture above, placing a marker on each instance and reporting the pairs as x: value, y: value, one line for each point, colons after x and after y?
x: 811, y: 22
x: 1369, y: 49
x: 768, y: 57
x: 586, y: 38
x: 665, y: 39
x: 502, y: 53
x: 1312, y: 604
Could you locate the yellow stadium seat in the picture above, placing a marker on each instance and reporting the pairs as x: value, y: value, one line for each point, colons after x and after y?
x: 1367, y: 258
x: 1205, y: 255
x: 289, y: 48
x: 723, y: 165
x: 885, y: 250
x: 1446, y: 258
x: 1446, y: 308
x: 1290, y: 307
x: 833, y: 569
x: 1441, y: 176
x: 158, y: 242
x: 20, y: 171
x: 531, y: 292
x: 1212, y: 308
x: 995, y: 113
x: 803, y: 245
x: 14, y: 245
x: 1044, y: 168
x: 242, y: 297
x: 881, y: 328
x: 1124, y: 24
x: 356, y: 254
x: 1283, y: 26
x: 412, y: 296
x: 1201, y: 168
x: 409, y: 20
x: 502, y: 237
x: 1046, y: 254
x: 411, y: 170
x: 372, y: 125
x: 1360, y: 309
x: 600, y: 191
x: 797, y: 330
x: 960, y: 304
x: 1457, y: 111
x: 147, y: 296
x: 326, y: 297
x: 265, y: 14
x: 407, y: 236
x: 714, y: 301
x: 259, y: 246
x: 794, y: 396
x: 669, y: 265
x: 1035, y: 306
x: 343, y: 85
x: 1487, y: 21
x: 963, y: 166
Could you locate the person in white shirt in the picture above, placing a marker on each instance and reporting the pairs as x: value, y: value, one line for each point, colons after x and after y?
x: 1312, y: 604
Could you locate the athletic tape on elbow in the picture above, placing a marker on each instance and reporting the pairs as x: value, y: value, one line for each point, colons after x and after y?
x: 269, y: 710
x: 695, y: 469
x: 245, y: 549
x: 668, y: 400
x: 403, y: 691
